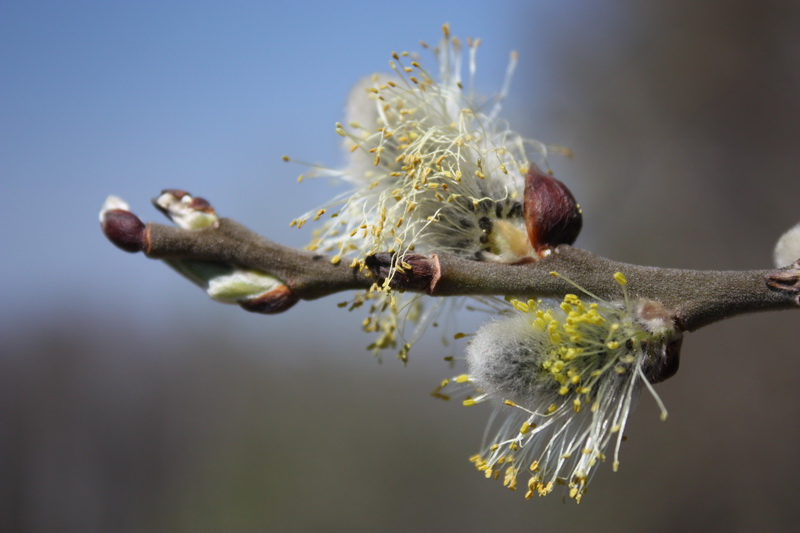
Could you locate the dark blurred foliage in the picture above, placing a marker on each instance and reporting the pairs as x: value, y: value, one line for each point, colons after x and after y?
x: 685, y: 122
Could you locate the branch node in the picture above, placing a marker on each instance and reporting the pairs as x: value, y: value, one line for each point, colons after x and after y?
x: 412, y: 272
x: 786, y: 279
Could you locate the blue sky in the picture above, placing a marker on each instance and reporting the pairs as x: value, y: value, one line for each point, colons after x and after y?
x: 132, y: 97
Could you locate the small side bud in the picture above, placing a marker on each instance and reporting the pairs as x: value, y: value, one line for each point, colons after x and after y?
x: 552, y: 216
x: 121, y: 227
x: 274, y: 301
x: 655, y: 318
x: 184, y: 210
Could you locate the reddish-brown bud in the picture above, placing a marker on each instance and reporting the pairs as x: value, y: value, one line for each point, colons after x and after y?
x: 665, y: 365
x: 552, y: 216
x: 271, y: 302
x: 123, y: 229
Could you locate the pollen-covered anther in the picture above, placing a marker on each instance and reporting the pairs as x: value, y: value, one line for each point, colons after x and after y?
x: 552, y: 216
x: 427, y: 162
x: 573, y: 370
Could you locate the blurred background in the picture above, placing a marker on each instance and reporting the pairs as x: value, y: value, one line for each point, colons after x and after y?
x: 129, y: 402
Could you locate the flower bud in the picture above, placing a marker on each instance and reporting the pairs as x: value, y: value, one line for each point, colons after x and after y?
x: 121, y: 227
x: 552, y: 216
x: 185, y: 210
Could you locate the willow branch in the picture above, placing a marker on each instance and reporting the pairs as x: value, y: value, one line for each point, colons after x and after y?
x: 696, y: 297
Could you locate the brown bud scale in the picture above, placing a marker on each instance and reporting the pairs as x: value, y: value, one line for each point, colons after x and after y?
x: 419, y: 277
x: 124, y: 230
x: 272, y: 302
x: 666, y: 364
x: 552, y: 216
x: 787, y: 279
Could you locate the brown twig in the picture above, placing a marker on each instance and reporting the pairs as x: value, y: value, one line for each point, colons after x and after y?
x: 695, y: 297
